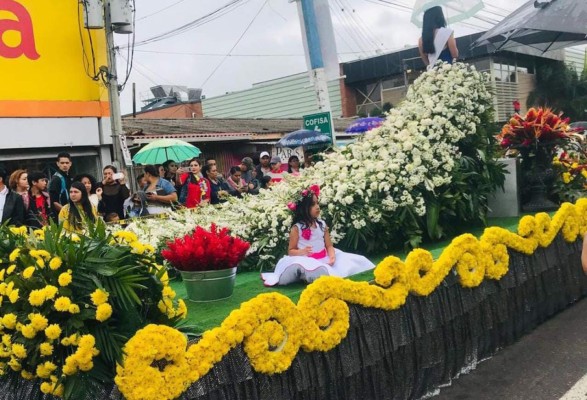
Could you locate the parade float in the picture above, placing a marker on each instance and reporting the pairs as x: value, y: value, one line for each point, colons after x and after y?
x: 92, y: 316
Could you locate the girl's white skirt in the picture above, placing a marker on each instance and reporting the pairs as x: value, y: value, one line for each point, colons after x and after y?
x: 306, y: 269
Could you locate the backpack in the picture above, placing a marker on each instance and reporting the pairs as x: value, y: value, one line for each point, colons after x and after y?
x: 63, y: 187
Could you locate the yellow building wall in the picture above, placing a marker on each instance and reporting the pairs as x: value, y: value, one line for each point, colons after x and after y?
x: 43, y: 49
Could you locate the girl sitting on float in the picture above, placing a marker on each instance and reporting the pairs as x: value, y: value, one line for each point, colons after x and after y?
x: 311, y: 253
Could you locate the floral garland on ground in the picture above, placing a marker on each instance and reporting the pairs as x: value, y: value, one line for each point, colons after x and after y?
x: 269, y: 325
x: 68, y: 303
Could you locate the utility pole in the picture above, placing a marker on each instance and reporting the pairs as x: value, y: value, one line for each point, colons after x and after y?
x: 115, y: 17
x: 113, y: 93
x: 318, y: 74
x: 320, y: 49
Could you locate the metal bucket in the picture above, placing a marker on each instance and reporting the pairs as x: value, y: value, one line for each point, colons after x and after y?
x: 202, y: 286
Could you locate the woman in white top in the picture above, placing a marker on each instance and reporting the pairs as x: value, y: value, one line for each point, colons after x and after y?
x: 437, y: 41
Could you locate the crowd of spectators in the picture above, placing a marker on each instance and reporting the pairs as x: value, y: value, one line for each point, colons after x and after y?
x: 34, y: 199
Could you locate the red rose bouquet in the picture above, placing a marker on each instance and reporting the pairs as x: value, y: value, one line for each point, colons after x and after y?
x: 205, y: 250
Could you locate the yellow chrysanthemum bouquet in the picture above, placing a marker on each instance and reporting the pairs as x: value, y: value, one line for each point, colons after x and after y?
x: 570, y: 167
x: 69, y: 303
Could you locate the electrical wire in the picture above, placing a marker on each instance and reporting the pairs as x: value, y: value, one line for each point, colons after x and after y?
x: 351, y: 27
x: 211, y: 16
x: 366, y: 26
x: 342, y: 23
x: 231, y: 55
x: 85, y: 60
x: 275, y: 11
x: 131, y: 48
x: 161, y: 10
x: 343, y: 40
x: 161, y: 77
x: 484, y: 15
x: 409, y: 9
x: 218, y: 54
x: 359, y: 23
x: 236, y: 44
x: 138, y: 67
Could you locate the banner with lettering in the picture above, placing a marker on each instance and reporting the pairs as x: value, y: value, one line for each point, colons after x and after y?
x: 49, y: 63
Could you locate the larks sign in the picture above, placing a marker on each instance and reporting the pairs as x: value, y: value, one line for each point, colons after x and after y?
x: 42, y: 57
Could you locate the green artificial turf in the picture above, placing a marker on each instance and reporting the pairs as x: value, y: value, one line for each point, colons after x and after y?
x: 204, y: 316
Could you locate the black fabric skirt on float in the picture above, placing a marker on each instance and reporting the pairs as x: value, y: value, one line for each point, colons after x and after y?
x: 406, y: 353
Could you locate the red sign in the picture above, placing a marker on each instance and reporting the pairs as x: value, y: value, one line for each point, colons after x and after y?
x: 23, y: 25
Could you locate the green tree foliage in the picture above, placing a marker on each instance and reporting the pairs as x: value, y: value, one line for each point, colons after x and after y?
x: 559, y: 87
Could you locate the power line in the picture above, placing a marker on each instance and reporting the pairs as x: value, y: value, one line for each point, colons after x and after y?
x: 130, y: 53
x: 161, y: 10
x: 346, y: 43
x: 211, y: 16
x: 349, y: 23
x: 218, y: 54
x: 236, y: 44
x: 360, y: 24
x: 86, y: 62
x: 138, y: 66
x: 144, y: 74
x: 344, y: 27
x: 232, y: 55
x: 367, y: 28
x: 484, y: 15
x: 272, y: 9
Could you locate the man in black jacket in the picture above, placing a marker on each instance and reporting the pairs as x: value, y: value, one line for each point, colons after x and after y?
x: 60, y: 183
x: 11, y: 203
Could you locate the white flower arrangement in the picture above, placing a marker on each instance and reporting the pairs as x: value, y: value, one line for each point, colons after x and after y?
x: 365, y: 185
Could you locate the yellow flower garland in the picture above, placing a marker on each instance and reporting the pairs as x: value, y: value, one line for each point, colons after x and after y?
x: 269, y: 324
x: 155, y: 343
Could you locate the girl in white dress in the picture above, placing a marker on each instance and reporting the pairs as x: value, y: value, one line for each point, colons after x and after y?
x: 311, y: 253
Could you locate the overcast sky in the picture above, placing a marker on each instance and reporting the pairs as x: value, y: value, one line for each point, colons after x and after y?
x: 271, y: 47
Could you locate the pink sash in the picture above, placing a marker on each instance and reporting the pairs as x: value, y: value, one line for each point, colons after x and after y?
x: 319, y: 255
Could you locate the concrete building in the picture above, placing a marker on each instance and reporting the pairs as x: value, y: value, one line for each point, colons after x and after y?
x: 385, y: 78
x: 372, y: 83
x: 288, y: 97
x: 51, y: 99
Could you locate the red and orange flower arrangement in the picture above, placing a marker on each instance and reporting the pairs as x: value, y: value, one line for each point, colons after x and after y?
x: 206, y: 250
x: 539, y: 126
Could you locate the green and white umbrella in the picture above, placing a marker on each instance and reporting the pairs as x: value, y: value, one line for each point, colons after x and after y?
x: 159, y: 151
x: 454, y: 10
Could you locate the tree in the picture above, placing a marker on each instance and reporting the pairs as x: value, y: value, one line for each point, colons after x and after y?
x: 559, y: 87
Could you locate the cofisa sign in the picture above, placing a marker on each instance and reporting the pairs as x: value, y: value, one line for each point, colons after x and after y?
x: 320, y: 122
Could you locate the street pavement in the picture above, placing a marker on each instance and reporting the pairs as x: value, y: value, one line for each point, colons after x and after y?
x: 549, y: 363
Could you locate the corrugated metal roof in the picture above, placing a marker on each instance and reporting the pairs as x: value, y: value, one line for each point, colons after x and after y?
x: 288, y: 97
x: 216, y: 129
